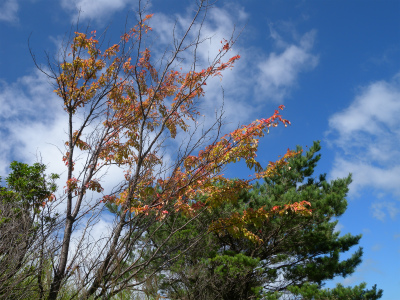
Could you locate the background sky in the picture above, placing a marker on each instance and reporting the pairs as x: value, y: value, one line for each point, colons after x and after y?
x: 334, y: 65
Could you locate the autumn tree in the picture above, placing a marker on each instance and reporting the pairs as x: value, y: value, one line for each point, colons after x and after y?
x: 123, y: 113
x: 295, y: 255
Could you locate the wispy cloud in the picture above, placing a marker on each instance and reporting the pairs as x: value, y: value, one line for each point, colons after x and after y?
x: 366, y: 230
x: 381, y: 210
x: 258, y: 79
x: 260, y: 76
x: 94, y: 9
x: 377, y: 247
x: 366, y: 136
x: 339, y: 227
x: 368, y: 266
x: 231, y: 91
x: 278, y: 72
x: 8, y: 10
x: 31, y: 121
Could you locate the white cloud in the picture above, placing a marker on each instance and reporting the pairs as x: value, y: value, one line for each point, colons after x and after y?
x: 374, y: 111
x: 256, y: 80
x: 33, y: 124
x: 8, y: 10
x: 380, y: 210
x: 366, y: 135
x: 219, y: 25
x: 339, y: 227
x: 265, y: 78
x: 366, y: 230
x: 365, y: 174
x: 32, y: 121
x: 94, y: 9
x: 367, y: 267
x: 278, y: 72
x: 89, y: 239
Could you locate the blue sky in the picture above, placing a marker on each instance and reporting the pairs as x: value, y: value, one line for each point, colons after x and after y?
x: 334, y: 65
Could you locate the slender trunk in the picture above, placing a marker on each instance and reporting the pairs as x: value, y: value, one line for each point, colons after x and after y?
x: 40, y: 270
x: 59, y: 273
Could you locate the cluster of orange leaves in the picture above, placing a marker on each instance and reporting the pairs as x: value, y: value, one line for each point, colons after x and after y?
x: 237, y: 224
x: 139, y: 95
x: 72, y: 186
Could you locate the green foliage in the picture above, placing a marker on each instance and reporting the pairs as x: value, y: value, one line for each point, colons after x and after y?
x: 27, y: 185
x: 313, y: 292
x: 22, y: 226
x: 232, y: 264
